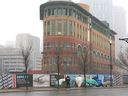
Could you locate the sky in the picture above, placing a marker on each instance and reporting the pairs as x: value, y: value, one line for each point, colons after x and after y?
x: 22, y: 16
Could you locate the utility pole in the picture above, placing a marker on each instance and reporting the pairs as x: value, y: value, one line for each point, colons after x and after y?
x: 110, y: 63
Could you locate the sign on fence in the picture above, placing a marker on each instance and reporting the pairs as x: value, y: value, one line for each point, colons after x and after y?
x: 23, y: 80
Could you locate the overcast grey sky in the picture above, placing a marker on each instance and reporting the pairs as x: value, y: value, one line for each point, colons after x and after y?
x: 22, y: 16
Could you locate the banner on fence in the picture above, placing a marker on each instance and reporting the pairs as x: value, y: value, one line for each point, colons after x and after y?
x: 41, y: 80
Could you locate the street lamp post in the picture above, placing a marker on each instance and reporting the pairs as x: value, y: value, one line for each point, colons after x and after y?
x: 84, y: 57
x: 110, y: 63
x: 58, y: 69
x: 89, y: 42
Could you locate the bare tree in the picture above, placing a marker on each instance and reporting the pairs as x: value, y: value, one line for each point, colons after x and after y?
x: 83, y: 57
x: 26, y: 56
x: 26, y: 53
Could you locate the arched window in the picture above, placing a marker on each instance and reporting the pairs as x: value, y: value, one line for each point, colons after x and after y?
x: 84, y: 53
x: 53, y: 62
x: 70, y: 60
x: 59, y: 11
x: 85, y: 50
x: 48, y: 45
x: 48, y: 28
x: 49, y: 12
x: 65, y: 27
x: 45, y: 28
x: 94, y: 54
x: 98, y: 54
x: 53, y: 27
x: 70, y: 28
x: 79, y: 50
x: 59, y: 27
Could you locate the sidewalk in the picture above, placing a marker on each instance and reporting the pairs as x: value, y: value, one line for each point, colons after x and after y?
x: 51, y: 89
x: 37, y: 89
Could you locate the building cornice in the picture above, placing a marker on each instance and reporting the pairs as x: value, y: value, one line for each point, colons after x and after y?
x: 71, y: 4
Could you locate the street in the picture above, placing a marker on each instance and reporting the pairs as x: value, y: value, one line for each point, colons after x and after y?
x: 82, y: 92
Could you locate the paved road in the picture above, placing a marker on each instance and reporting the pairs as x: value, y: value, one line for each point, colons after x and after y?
x: 83, y: 92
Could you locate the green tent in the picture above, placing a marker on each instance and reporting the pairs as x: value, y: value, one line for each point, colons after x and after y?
x: 90, y: 82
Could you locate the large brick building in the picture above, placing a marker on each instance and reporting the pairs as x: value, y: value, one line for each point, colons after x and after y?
x: 75, y: 39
